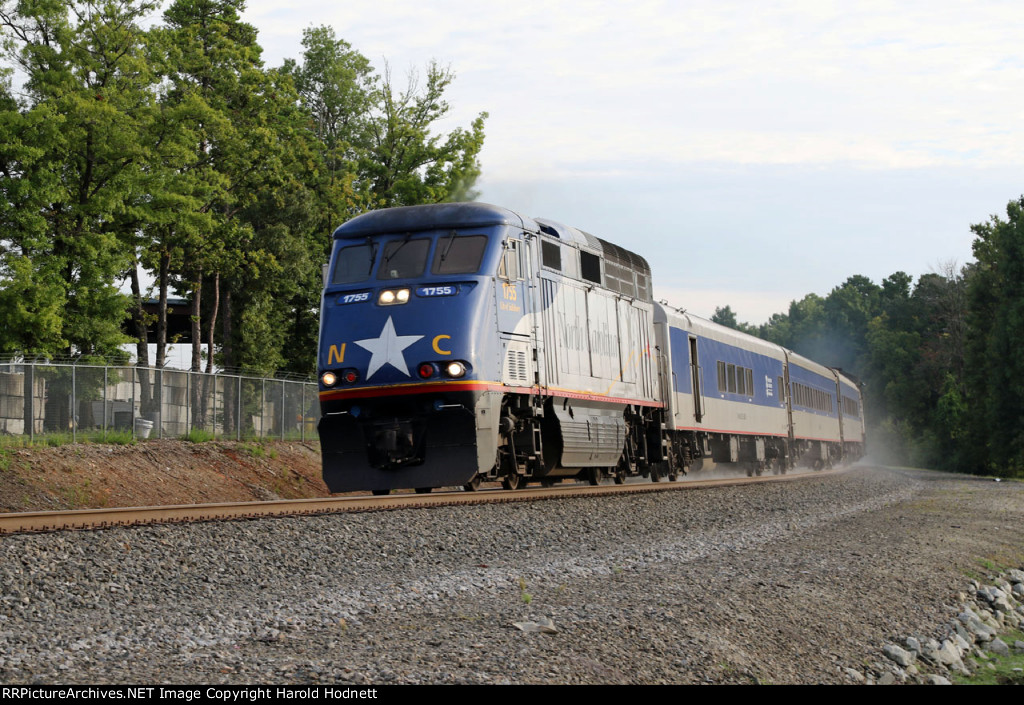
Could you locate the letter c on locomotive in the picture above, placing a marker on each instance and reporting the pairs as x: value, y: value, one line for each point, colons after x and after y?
x: 437, y: 344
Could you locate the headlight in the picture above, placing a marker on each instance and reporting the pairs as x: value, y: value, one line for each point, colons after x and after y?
x: 329, y: 379
x: 390, y: 297
x: 455, y: 370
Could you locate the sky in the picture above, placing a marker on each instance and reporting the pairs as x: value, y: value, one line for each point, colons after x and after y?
x: 753, y: 152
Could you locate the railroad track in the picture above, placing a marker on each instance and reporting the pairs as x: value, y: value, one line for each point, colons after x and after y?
x: 91, y: 519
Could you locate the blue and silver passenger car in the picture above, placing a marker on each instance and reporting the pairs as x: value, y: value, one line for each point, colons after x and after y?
x: 734, y: 398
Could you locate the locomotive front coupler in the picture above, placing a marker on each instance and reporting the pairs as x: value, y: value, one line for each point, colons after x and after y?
x: 394, y: 443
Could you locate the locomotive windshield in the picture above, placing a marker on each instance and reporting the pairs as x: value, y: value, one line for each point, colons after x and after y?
x: 354, y: 264
x: 405, y: 257
x: 459, y: 255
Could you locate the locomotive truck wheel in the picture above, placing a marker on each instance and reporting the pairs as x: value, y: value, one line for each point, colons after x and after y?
x: 594, y: 476
x: 423, y: 490
x: 381, y: 493
x: 620, y: 476
x: 473, y: 485
x: 512, y: 481
x: 548, y: 482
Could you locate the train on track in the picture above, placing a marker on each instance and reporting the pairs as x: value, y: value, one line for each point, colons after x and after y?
x: 462, y: 343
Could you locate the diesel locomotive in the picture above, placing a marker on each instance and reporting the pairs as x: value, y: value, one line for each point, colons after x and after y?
x: 463, y: 342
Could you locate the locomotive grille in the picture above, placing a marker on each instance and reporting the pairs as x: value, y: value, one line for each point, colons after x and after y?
x: 515, y: 366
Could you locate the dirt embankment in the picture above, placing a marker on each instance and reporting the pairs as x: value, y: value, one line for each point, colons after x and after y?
x: 157, y: 472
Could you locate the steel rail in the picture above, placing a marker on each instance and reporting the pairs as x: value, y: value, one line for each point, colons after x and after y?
x: 90, y: 519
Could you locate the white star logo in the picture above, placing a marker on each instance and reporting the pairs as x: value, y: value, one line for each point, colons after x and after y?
x: 387, y: 349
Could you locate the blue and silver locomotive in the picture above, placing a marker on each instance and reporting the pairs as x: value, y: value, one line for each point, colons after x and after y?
x: 464, y: 342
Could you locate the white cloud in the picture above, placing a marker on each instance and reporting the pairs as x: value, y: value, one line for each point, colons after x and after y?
x: 880, y: 85
x: 807, y: 125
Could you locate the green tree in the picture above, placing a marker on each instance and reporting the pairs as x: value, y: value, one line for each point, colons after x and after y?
x: 724, y: 316
x: 87, y: 76
x: 211, y: 59
x: 368, y: 147
x: 806, y: 320
x: 777, y: 329
x: 994, y: 353
x: 950, y: 428
x: 337, y: 86
x: 248, y: 159
x: 404, y: 163
x: 893, y: 399
x: 31, y: 286
x: 848, y: 310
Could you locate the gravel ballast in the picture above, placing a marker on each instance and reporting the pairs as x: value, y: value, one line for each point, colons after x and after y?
x: 797, y: 582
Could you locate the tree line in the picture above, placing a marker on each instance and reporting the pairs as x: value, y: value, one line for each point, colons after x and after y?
x: 940, y: 358
x: 136, y: 149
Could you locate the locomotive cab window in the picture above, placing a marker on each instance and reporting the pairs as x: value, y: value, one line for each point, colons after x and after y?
x: 403, y: 259
x: 458, y: 254
x: 354, y: 263
x: 509, y: 268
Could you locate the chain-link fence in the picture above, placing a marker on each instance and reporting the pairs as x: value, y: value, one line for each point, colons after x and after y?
x: 91, y: 402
